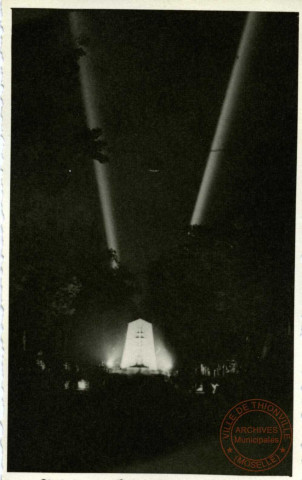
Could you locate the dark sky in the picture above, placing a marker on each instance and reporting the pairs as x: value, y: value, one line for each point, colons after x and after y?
x: 168, y: 72
x: 162, y: 79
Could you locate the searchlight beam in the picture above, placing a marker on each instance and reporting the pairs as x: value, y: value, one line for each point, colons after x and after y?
x: 89, y: 86
x: 224, y: 125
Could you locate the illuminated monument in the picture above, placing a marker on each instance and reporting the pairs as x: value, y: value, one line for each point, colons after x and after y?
x: 139, y: 351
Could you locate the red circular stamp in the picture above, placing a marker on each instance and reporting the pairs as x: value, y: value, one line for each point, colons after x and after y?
x: 256, y: 435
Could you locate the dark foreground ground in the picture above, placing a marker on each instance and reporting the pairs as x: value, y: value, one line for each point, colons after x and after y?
x: 123, y: 424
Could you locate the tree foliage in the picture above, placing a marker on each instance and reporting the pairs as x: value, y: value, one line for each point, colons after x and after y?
x: 215, y: 297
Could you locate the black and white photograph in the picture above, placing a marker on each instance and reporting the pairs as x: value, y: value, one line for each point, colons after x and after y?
x: 153, y: 163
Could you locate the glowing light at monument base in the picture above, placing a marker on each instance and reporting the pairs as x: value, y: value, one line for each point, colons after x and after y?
x: 164, y: 361
x: 110, y: 363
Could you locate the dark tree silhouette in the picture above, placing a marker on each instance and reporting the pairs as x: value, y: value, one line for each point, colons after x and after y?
x: 216, y: 297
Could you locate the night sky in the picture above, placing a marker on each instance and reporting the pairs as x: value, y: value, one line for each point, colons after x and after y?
x: 162, y: 80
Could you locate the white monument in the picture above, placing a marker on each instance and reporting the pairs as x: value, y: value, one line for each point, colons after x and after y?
x: 139, y: 350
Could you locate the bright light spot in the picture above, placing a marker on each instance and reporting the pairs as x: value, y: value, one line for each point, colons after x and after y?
x: 167, y: 365
x: 214, y: 386
x: 83, y: 385
x: 67, y: 384
x: 164, y: 360
x: 200, y: 389
x: 110, y: 363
